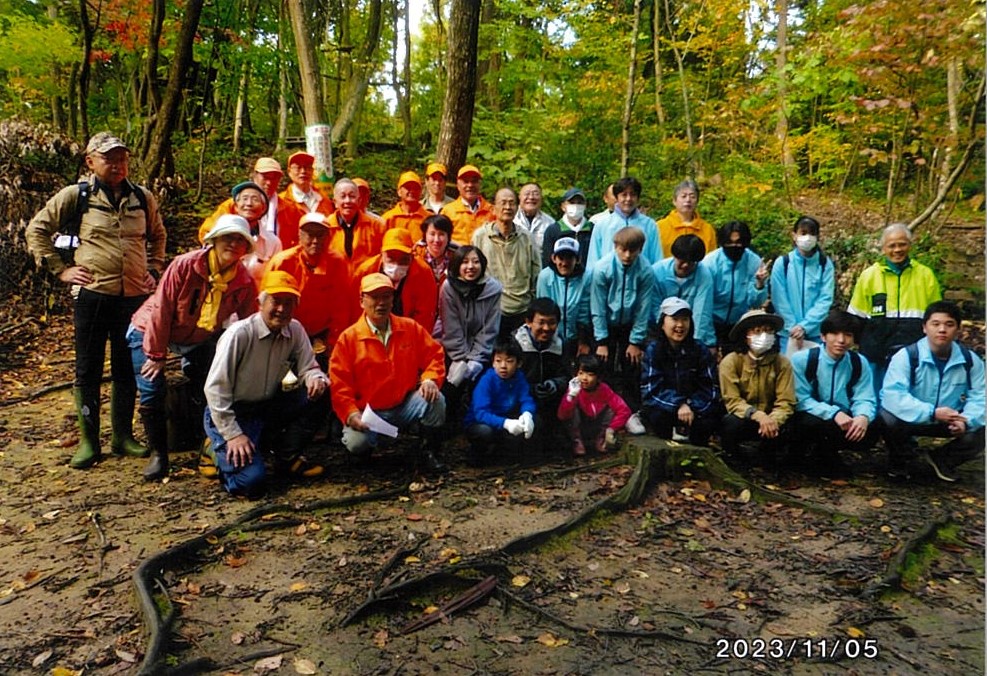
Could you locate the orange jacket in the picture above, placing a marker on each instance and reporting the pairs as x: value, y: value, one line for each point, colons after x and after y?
x: 416, y: 297
x: 398, y: 218
x: 671, y: 227
x: 288, y: 229
x: 464, y: 221
x: 323, y: 305
x: 368, y: 236
x: 362, y: 371
x: 286, y: 217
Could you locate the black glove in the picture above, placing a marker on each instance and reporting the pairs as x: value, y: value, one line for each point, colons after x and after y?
x: 546, y: 389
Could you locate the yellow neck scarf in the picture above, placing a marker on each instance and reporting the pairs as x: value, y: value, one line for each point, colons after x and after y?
x: 218, y: 281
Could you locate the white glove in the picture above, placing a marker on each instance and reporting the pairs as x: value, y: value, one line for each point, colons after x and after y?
x: 574, y: 388
x: 473, y: 369
x: 528, y: 421
x: 457, y: 372
x: 514, y: 427
x: 610, y: 438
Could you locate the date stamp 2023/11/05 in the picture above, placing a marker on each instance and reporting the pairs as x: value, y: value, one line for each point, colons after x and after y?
x: 796, y: 648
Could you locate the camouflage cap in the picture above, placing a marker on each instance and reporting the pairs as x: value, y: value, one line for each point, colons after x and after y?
x: 104, y: 142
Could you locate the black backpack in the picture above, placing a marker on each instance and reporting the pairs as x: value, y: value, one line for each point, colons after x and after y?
x: 70, y: 231
x: 822, y: 262
x: 812, y: 365
x: 912, y: 350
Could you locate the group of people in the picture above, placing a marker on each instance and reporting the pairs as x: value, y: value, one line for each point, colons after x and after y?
x: 304, y: 311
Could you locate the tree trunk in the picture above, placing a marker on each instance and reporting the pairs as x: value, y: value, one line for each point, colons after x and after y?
x: 359, y: 80
x: 656, y: 44
x: 686, y: 115
x: 488, y: 68
x: 781, y: 60
x: 405, y: 100
x: 158, y: 154
x: 88, y: 33
x: 625, y: 125
x: 241, y: 115
x: 313, y: 106
x: 952, y: 97
x: 460, y: 97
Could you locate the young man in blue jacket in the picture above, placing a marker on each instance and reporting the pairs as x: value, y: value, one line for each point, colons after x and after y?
x: 627, y: 192
x: 683, y: 275
x: 568, y: 284
x: 740, y: 280
x: 934, y: 388
x: 802, y: 285
x: 835, y: 397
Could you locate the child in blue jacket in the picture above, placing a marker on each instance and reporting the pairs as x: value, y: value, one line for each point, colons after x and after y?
x: 502, y: 405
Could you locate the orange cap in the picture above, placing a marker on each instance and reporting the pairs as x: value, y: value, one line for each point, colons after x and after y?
x: 436, y: 168
x: 264, y: 165
x: 409, y: 177
x: 362, y: 184
x: 301, y: 157
x: 397, y: 239
x: 279, y: 281
x: 468, y: 169
x: 315, y: 217
x: 374, y: 281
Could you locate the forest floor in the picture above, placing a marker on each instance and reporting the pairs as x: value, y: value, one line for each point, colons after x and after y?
x: 685, y: 582
x: 694, y: 579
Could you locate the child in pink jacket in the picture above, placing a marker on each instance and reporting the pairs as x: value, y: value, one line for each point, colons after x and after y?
x: 591, y: 411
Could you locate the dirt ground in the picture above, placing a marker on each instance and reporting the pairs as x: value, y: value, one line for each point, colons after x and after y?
x: 686, y: 582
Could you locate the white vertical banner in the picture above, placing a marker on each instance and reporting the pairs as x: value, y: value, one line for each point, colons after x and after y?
x: 318, y: 143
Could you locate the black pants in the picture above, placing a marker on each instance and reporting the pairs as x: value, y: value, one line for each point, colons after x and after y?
x: 491, y: 445
x: 898, y: 439
x: 623, y: 376
x: 662, y: 422
x: 100, y: 317
x: 735, y: 430
x: 812, y: 431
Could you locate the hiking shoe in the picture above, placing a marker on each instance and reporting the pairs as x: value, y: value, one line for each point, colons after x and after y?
x: 207, y: 460
x: 944, y: 473
x: 303, y: 469
x: 634, y: 425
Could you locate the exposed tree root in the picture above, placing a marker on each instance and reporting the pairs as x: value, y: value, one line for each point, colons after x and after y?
x: 148, y: 574
x: 892, y: 579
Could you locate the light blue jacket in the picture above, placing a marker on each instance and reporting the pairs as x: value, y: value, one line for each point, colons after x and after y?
x: 571, y: 294
x: 622, y: 297
x: 831, y: 381
x: 696, y: 290
x: 804, y: 297
x: 917, y: 403
x: 734, y: 290
x: 601, y: 242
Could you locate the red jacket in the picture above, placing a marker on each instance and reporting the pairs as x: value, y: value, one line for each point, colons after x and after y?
x: 171, y: 314
x: 593, y: 403
x: 416, y: 297
x: 362, y: 371
x: 323, y: 304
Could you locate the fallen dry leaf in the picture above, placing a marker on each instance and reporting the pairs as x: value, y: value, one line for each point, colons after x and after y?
x: 31, y: 576
x: 62, y: 671
x: 520, y: 580
x: 380, y: 638
x: 237, y: 637
x: 510, y: 638
x: 272, y: 663
x: 551, y: 641
x: 301, y: 530
x: 41, y: 659
x: 304, y: 667
x: 298, y: 586
x: 125, y: 656
x: 414, y: 516
x: 853, y: 632
x: 412, y: 559
x: 876, y: 503
x: 235, y: 561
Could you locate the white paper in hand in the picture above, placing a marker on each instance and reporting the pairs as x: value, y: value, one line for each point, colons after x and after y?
x: 378, y: 424
x: 793, y: 346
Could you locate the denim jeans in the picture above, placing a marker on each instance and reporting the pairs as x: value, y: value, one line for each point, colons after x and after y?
x: 286, y: 416
x: 196, y: 360
x: 413, y: 408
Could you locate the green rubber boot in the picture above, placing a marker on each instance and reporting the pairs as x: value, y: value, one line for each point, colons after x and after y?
x: 87, y: 412
x: 122, y: 416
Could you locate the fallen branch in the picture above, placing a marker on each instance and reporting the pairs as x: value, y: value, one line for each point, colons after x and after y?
x: 892, y: 579
x: 475, y: 594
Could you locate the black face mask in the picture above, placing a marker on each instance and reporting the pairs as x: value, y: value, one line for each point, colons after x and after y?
x: 734, y: 253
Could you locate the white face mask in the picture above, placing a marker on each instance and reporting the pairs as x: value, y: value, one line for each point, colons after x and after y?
x: 396, y: 272
x: 806, y: 242
x: 761, y: 342
x: 575, y: 211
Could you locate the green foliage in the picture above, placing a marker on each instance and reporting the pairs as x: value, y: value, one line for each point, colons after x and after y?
x: 34, y: 52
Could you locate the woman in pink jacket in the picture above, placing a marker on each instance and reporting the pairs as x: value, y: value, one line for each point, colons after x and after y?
x: 592, y: 412
x: 199, y: 295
